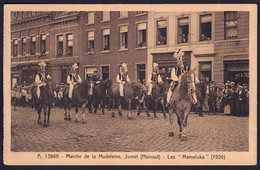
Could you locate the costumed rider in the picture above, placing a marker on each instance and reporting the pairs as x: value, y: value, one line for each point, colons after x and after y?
x: 154, y: 78
x: 122, y: 78
x: 73, y: 79
x: 176, y: 73
x: 41, y: 78
x: 94, y: 78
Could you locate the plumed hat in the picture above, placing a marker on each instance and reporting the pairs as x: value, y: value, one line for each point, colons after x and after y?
x: 74, y: 66
x: 42, y: 64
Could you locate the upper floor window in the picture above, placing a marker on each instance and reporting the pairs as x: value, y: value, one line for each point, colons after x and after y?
x: 141, y: 35
x: 15, y: 49
x: 123, y: 14
x: 230, y: 24
x: 106, y: 39
x: 106, y: 15
x: 183, y: 30
x: 91, y: 18
x: 90, y: 41
x: 59, y: 45
x: 24, y: 46
x: 33, y: 45
x: 123, y: 37
x: 69, y: 48
x: 161, y: 32
x: 89, y: 71
x: 43, y: 44
x: 205, y: 27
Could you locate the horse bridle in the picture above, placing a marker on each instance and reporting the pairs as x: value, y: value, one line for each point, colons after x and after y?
x: 185, y: 83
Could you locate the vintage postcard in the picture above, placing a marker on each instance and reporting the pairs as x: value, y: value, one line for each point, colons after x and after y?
x: 130, y: 84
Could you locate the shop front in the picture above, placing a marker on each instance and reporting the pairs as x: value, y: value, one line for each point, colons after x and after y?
x: 237, y: 71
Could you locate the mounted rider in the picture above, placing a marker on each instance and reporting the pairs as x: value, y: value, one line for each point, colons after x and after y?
x: 122, y: 78
x: 94, y: 80
x: 41, y: 78
x: 154, y: 78
x: 73, y: 79
x: 175, y: 77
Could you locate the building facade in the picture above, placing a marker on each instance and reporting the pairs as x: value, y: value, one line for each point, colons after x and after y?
x: 215, y: 43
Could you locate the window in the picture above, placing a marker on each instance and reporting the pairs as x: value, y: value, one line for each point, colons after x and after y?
x: 91, y: 18
x: 59, y: 45
x: 205, y: 70
x: 89, y: 71
x: 91, y: 42
x: 24, y: 46
x: 161, y: 32
x: 69, y: 48
x: 123, y: 14
x: 141, y: 35
x: 15, y: 50
x: 230, y: 25
x: 106, y: 15
x: 106, y: 39
x: 43, y: 44
x: 33, y: 45
x: 205, y: 27
x: 141, y: 73
x: 123, y: 37
x: 183, y: 30
x: 105, y: 72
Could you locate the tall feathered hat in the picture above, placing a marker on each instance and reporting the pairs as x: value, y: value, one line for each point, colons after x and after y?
x: 155, y: 65
x: 178, y: 54
x: 74, y: 66
x: 124, y: 66
x: 42, y: 64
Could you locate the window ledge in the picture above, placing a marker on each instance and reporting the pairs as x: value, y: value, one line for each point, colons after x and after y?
x: 90, y: 53
x: 125, y: 49
x: 107, y: 51
x: 141, y: 14
x: 90, y: 24
x: 182, y: 43
x: 141, y: 48
x: 162, y: 45
x: 105, y: 21
x: 206, y: 42
x: 123, y: 18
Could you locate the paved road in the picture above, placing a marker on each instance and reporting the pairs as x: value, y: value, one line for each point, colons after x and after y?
x: 104, y: 133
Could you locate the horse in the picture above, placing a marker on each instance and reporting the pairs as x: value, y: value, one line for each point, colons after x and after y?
x: 45, y: 101
x: 79, y: 98
x: 132, y: 90
x: 159, y: 93
x: 201, y: 94
x: 99, y: 93
x: 181, y: 101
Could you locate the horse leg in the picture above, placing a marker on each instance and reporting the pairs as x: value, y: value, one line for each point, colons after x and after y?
x: 184, y: 124
x: 83, y: 114
x: 44, y: 111
x: 147, y: 107
x: 65, y: 114
x: 76, y: 115
x: 96, y: 105
x: 103, y: 106
x: 112, y: 107
x: 171, y: 134
x: 179, y: 120
x: 163, y: 107
x: 90, y: 104
x: 129, y: 110
x: 155, y: 108
x: 49, y: 112
x: 120, y: 106
x: 39, y: 108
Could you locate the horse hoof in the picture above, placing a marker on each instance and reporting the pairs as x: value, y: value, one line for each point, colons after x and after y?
x: 165, y: 116
x: 113, y: 114
x: 39, y: 123
x: 171, y: 134
x: 83, y: 122
x: 65, y: 118
x: 76, y: 121
x: 180, y: 136
x: 201, y: 115
x: 130, y: 118
x: 69, y: 119
x: 155, y: 116
x: 138, y: 114
x: 90, y: 112
x: 183, y: 138
x: 120, y: 114
x: 44, y: 125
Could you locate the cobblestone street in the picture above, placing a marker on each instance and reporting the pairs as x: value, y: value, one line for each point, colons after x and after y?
x: 102, y: 133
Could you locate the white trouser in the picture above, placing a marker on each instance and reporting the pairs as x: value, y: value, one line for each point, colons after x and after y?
x: 121, y: 89
x: 150, y: 89
x: 71, y: 90
x: 38, y: 90
x: 169, y: 95
x: 91, y: 89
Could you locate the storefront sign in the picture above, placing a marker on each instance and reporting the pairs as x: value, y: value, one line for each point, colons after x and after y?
x: 240, y: 75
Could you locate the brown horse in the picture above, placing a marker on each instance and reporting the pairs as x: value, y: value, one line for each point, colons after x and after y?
x: 181, y: 102
x: 159, y: 93
x: 79, y: 98
x: 45, y: 101
x: 131, y: 91
x: 99, y: 92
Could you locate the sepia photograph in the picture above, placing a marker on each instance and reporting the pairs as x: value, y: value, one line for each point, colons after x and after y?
x: 130, y: 84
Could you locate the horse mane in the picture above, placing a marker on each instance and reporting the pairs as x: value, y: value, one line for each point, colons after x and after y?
x: 137, y: 86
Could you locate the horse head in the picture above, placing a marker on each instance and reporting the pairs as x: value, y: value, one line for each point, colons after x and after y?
x: 188, y: 81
